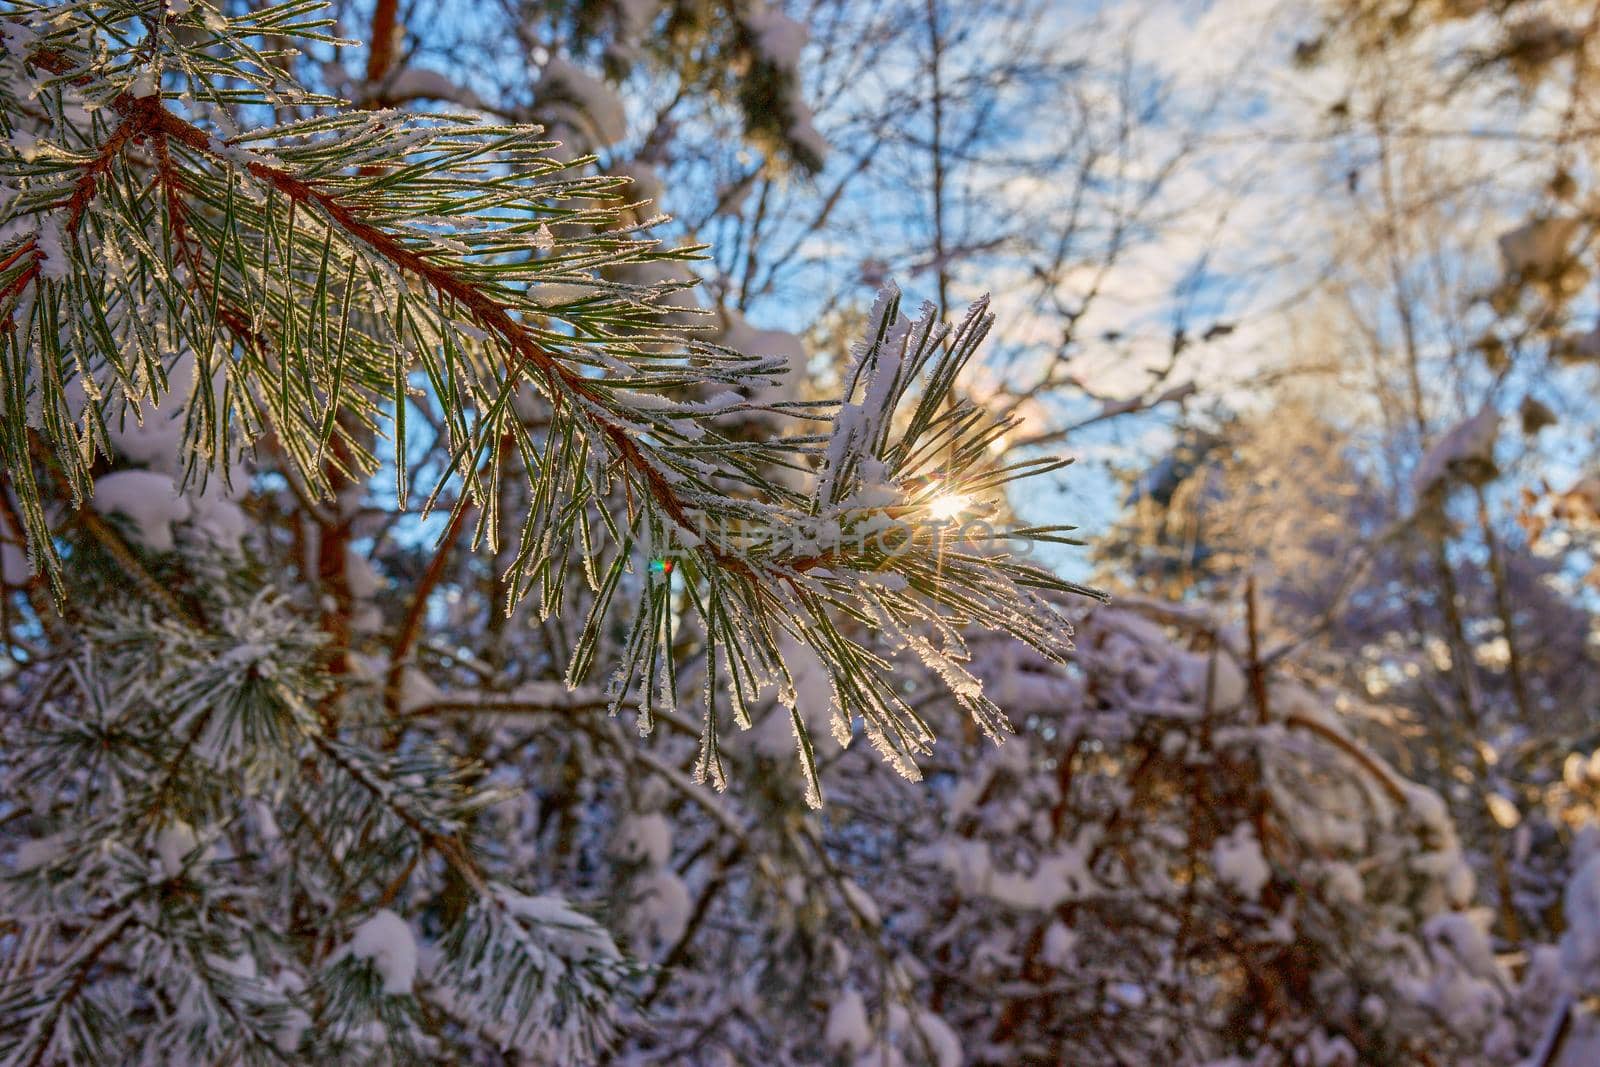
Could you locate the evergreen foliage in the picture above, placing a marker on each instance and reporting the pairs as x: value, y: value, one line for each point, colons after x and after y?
x: 202, y: 263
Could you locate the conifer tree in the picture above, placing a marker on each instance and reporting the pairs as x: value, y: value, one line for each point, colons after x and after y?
x: 217, y: 283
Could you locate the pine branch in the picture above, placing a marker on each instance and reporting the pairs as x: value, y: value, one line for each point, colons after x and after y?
x: 444, y: 846
x: 327, y: 272
x: 36, y: 1043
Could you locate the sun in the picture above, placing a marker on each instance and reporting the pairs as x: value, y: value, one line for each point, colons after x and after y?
x: 947, y: 506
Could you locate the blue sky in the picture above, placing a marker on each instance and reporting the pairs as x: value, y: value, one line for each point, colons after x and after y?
x: 1230, y: 239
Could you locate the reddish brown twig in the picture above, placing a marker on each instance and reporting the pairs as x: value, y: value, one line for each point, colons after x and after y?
x: 132, y: 124
x: 411, y: 627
